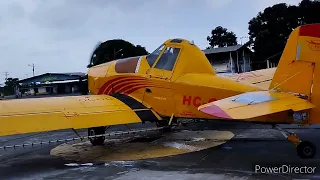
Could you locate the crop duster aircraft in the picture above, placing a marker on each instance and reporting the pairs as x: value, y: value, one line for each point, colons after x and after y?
x: 177, y: 81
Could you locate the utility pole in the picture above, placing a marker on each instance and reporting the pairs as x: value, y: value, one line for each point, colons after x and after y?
x: 6, y: 74
x: 243, y: 38
x: 32, y: 68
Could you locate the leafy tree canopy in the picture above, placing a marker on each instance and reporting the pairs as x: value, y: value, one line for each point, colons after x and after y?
x: 270, y: 29
x: 115, y: 49
x: 221, y: 37
x: 9, y: 85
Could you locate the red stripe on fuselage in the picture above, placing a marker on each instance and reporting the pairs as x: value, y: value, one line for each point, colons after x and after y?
x: 129, y: 91
x: 111, y: 83
x: 135, y: 88
x: 131, y: 85
x: 107, y: 85
x: 121, y: 84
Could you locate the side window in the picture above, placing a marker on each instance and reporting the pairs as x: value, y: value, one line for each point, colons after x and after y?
x: 151, y: 58
x: 168, y: 59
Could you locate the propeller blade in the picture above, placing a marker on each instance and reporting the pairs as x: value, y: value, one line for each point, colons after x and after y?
x: 93, y: 52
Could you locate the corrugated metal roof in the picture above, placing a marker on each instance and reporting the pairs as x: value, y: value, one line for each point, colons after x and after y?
x: 72, y: 74
x: 61, y: 82
x: 222, y: 49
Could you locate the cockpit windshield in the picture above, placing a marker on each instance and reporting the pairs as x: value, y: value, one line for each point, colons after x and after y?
x: 151, y: 58
x: 168, y: 59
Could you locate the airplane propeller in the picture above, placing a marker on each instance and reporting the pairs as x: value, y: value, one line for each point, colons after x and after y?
x: 93, y: 54
x: 84, y: 80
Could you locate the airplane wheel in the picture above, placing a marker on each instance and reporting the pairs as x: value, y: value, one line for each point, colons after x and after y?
x: 306, y: 150
x: 96, y: 131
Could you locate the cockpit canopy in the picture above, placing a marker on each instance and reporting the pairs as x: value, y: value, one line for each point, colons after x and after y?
x: 168, y: 57
x: 169, y: 61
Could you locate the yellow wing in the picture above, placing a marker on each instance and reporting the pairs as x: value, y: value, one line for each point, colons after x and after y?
x: 255, y: 104
x: 55, y: 113
x: 261, y: 78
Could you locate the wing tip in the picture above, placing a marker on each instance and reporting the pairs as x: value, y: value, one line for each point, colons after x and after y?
x: 215, y: 110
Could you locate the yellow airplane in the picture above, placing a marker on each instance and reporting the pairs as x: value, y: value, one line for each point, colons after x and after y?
x: 177, y: 81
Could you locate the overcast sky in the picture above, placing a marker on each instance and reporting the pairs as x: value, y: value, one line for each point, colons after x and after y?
x: 59, y: 35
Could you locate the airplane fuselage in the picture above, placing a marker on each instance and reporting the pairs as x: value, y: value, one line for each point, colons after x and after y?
x: 167, y: 96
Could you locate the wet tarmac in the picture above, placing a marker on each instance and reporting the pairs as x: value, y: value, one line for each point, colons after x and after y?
x: 251, y: 145
x: 146, y: 145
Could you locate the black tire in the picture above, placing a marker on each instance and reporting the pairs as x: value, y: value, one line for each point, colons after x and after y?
x: 97, y: 141
x: 306, y: 150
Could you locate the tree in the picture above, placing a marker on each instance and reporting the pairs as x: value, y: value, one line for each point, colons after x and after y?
x: 309, y: 11
x: 9, y: 86
x: 270, y: 29
x: 115, y: 49
x: 221, y: 37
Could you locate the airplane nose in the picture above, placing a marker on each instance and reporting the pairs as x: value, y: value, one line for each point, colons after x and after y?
x: 96, y: 75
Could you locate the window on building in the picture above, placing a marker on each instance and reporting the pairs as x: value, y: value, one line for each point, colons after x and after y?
x: 151, y: 58
x: 168, y: 59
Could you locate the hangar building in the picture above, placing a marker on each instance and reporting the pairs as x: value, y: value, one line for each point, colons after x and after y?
x: 235, y: 59
x: 52, y: 83
x: 231, y: 59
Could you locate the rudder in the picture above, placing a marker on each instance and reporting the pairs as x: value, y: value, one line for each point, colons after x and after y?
x: 298, y: 70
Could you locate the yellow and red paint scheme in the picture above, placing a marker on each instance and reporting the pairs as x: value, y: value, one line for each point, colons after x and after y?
x: 177, y: 80
x: 295, y: 86
x: 192, y: 83
x: 180, y: 91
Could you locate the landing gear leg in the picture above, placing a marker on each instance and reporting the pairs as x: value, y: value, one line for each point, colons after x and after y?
x: 305, y: 149
x: 164, y: 123
x: 96, y: 141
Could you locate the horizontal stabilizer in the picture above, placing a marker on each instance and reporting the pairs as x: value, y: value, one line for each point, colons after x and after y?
x: 261, y: 78
x: 255, y: 104
x: 46, y: 114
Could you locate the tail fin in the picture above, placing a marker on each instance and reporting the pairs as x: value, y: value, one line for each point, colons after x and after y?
x: 297, y: 66
x: 298, y: 70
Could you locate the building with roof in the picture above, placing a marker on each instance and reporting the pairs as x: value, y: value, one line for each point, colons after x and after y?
x: 231, y: 59
x: 52, y: 83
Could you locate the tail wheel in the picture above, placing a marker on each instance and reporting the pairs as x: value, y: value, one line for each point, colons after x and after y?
x: 96, y: 141
x: 306, y: 149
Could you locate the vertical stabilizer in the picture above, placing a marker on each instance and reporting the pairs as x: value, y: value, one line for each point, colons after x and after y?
x: 295, y: 72
x: 298, y: 70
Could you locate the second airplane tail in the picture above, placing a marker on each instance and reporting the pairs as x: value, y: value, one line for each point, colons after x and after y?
x: 298, y: 70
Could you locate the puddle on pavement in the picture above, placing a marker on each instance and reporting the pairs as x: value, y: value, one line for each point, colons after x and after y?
x: 138, y: 148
